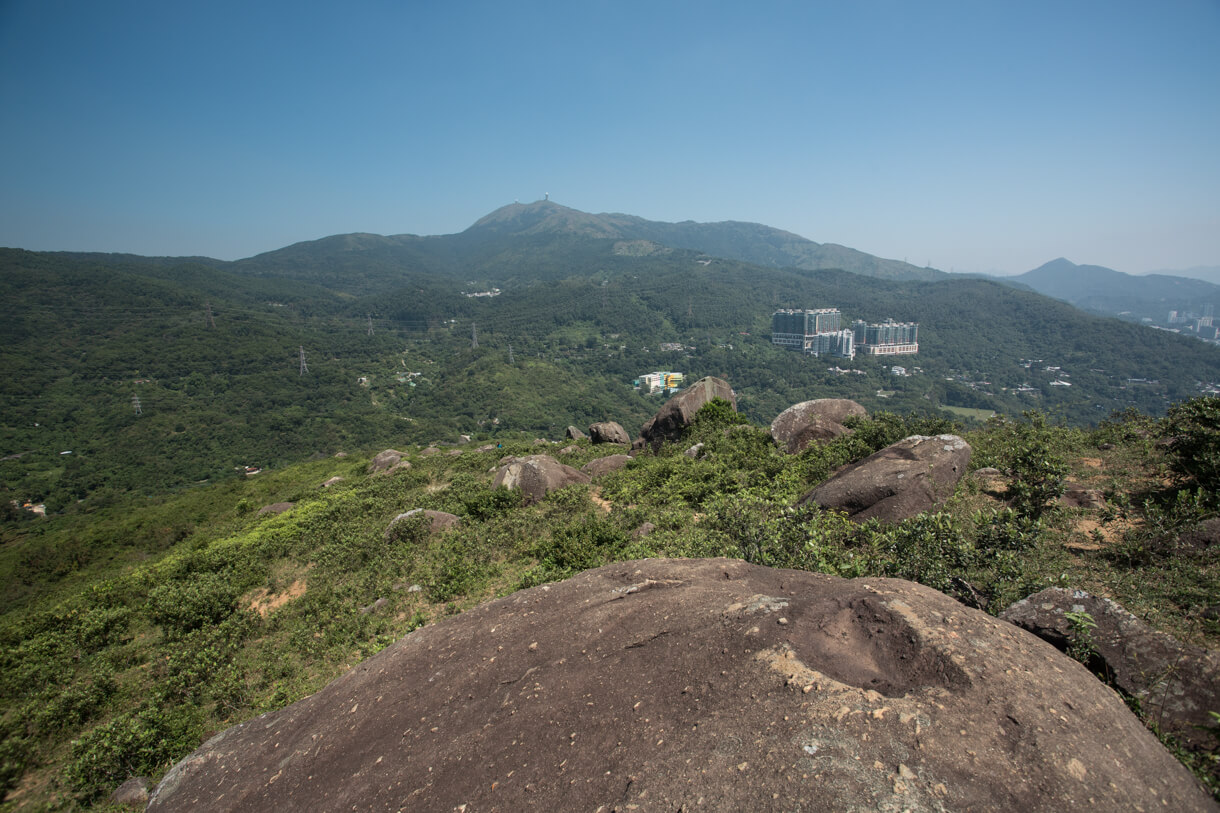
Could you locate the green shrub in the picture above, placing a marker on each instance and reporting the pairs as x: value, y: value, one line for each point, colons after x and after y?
x: 144, y: 742
x: 181, y: 606
x: 589, y: 543
x: 881, y: 429
x: 929, y: 549
x: 1194, y: 426
x: 1031, y: 454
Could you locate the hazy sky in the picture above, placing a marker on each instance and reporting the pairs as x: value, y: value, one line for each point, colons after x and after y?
x: 973, y: 135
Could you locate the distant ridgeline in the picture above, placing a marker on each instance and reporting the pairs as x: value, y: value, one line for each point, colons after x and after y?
x: 819, y: 332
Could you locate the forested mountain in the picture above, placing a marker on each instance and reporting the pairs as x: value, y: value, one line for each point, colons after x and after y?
x: 155, y: 373
x: 1104, y: 290
x: 492, y: 249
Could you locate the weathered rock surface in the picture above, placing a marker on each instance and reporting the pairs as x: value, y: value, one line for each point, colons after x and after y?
x: 437, y: 520
x: 536, y: 475
x: 608, y: 432
x: 573, y: 433
x: 900, y: 481
x: 387, y: 461
x: 334, y: 481
x: 605, y: 465
x: 276, y: 508
x: 679, y: 684
x: 1177, y: 684
x: 677, y: 413
x: 809, y: 422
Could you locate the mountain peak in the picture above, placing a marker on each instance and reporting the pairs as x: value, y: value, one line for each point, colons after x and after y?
x: 544, y: 217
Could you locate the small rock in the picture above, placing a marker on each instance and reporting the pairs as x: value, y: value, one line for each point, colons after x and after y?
x: 376, y: 605
x: 332, y: 481
x: 644, y: 530
x: 132, y: 793
x: 438, y: 520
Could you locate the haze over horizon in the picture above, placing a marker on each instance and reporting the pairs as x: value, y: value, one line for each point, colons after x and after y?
x: 969, y: 137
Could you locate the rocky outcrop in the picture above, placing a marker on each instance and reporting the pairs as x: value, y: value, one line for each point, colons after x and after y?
x: 710, y: 684
x: 573, y: 433
x: 388, y: 461
x: 678, y: 412
x: 1177, y: 684
x: 276, y: 508
x: 608, y: 432
x: 605, y: 465
x: 809, y: 422
x: 900, y: 481
x: 536, y: 475
x: 437, y: 520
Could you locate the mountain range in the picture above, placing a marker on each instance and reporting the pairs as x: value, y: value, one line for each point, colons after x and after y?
x: 154, y: 373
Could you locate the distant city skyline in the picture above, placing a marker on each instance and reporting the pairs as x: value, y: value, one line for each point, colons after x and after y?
x: 970, y: 137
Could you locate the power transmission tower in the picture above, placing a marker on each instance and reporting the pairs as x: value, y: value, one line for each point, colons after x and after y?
x: 474, y: 336
x: 135, y: 402
x: 370, y: 324
x: 690, y: 310
x: 211, y: 320
x: 304, y: 369
x: 510, y: 354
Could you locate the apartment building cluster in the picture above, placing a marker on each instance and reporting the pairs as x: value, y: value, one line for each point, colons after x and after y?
x: 820, y: 332
x: 659, y: 382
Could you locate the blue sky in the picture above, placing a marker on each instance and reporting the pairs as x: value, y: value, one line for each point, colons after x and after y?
x: 974, y: 135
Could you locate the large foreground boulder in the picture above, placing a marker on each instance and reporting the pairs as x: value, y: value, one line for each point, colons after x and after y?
x: 1177, y: 684
x: 536, y: 475
x: 678, y: 412
x: 900, y: 481
x: 809, y: 422
x: 698, y: 684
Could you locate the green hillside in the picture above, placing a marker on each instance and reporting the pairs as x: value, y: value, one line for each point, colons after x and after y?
x: 133, y: 633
